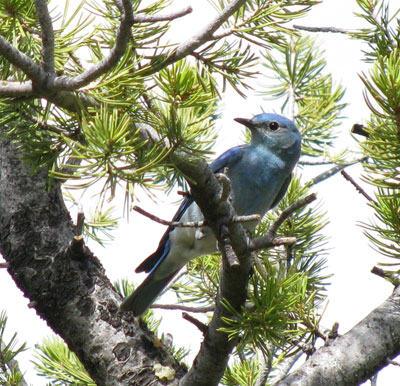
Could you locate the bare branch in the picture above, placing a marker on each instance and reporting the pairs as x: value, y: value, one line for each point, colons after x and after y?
x: 154, y: 18
x: 322, y: 29
x: 360, y: 130
x: 181, y: 307
x: 16, y: 89
x: 47, y: 36
x: 192, y: 224
x: 392, y: 277
x: 225, y: 184
x: 335, y: 169
x: 200, y: 325
x: 197, y: 40
x: 269, y: 239
x: 356, y: 356
x: 22, y: 61
x: 206, y: 34
x: 358, y: 187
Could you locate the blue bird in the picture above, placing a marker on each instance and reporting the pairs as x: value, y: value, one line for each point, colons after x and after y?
x: 259, y: 172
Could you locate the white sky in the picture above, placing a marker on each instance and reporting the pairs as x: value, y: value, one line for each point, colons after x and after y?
x: 354, y: 291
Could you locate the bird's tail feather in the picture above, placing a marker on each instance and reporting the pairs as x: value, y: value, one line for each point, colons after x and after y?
x: 141, y: 299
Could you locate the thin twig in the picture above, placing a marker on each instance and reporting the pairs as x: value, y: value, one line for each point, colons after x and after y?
x: 79, y: 223
x: 322, y: 29
x: 47, y: 36
x: 326, y: 174
x: 4, y: 265
x: 315, y: 163
x: 192, y: 224
x: 227, y: 249
x: 181, y: 307
x: 330, y: 172
x: 20, y: 60
x: 167, y: 17
x: 269, y: 239
x: 197, y: 40
x: 289, y: 211
x: 358, y: 187
x: 200, y: 325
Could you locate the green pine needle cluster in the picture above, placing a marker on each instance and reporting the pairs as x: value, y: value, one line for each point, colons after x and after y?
x: 295, y: 72
x: 10, y: 374
x: 382, y: 146
x: 60, y: 365
x: 288, y: 282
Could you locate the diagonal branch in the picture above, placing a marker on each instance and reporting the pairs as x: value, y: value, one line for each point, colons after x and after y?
x: 270, y: 238
x: 116, y: 53
x: 197, y: 40
x: 356, y: 356
x: 167, y: 17
x: 47, y: 36
x: 31, y: 69
x: 206, y: 33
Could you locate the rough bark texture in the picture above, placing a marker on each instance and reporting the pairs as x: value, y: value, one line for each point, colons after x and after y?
x: 356, y: 356
x: 67, y: 285
x: 211, y: 361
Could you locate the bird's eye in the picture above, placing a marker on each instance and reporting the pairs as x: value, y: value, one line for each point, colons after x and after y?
x: 273, y: 125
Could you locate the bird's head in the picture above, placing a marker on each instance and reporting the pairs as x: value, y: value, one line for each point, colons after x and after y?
x: 273, y: 131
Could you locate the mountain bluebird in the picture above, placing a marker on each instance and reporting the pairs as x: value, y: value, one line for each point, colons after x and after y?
x: 259, y: 172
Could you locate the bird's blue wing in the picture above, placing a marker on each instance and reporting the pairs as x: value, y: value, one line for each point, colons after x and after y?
x: 227, y: 159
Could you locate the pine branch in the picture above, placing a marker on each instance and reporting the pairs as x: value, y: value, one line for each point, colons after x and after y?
x: 15, y: 89
x: 356, y: 356
x: 181, y: 307
x: 167, y: 17
x: 322, y: 29
x: 47, y: 33
x: 32, y: 70
x: 116, y: 53
x: 270, y: 239
x: 204, y: 35
x: 332, y: 171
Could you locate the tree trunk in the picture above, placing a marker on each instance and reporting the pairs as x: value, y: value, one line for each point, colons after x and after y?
x: 66, y: 284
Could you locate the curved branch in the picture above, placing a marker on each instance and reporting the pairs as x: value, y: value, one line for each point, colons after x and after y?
x: 116, y: 53
x: 356, y: 356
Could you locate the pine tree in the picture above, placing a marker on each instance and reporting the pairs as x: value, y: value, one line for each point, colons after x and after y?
x: 99, y: 99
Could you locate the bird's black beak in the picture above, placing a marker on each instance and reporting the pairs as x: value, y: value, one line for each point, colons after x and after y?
x: 244, y: 121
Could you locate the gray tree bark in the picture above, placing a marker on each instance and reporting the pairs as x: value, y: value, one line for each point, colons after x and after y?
x: 66, y: 284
